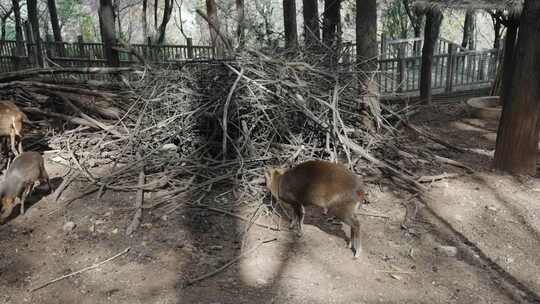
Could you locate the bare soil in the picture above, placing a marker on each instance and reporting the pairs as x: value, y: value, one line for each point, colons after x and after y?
x: 492, y: 219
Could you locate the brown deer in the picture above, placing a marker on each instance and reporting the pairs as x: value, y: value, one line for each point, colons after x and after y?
x: 26, y: 169
x: 320, y: 183
x: 11, y: 122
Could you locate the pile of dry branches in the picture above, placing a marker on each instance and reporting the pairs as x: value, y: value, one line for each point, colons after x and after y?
x: 211, y: 125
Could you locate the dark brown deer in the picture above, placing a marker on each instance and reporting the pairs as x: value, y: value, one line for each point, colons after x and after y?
x: 324, y: 184
x: 26, y: 169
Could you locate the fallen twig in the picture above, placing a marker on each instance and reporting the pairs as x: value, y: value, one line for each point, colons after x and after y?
x: 139, y: 201
x: 80, y: 271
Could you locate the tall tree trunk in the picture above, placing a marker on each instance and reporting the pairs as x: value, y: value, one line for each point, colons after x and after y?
x: 34, y: 22
x: 213, y: 25
x: 144, y: 17
x: 167, y: 12
x: 416, y: 17
x: 517, y: 137
x: 497, y: 29
x: 431, y: 34
x: 156, y: 16
x: 331, y: 21
x: 289, y: 22
x: 468, y: 29
x: 108, y: 35
x: 366, y: 56
x: 509, y: 60
x: 312, y: 33
x: 51, y: 4
x: 240, y: 29
x: 18, y: 26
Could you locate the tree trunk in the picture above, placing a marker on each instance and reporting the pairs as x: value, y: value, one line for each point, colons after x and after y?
x: 366, y: 56
x: 167, y: 12
x: 240, y: 29
x: 431, y: 33
x: 312, y: 34
x: 144, y: 17
x: 18, y: 26
x: 108, y: 35
x: 509, y: 60
x: 517, y: 137
x: 211, y: 12
x: 331, y: 21
x: 51, y: 4
x: 156, y: 16
x: 34, y: 22
x: 468, y: 28
x: 497, y: 29
x: 289, y: 22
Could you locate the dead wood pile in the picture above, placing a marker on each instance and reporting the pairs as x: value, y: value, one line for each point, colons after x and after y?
x: 214, y: 125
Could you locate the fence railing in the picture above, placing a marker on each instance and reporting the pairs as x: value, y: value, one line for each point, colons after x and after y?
x: 454, y: 67
x: 399, y: 66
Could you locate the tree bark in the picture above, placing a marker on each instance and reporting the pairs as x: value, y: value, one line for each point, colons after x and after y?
x: 366, y: 57
x: 431, y: 33
x: 167, y: 12
x: 213, y: 25
x: 517, y: 136
x: 34, y: 22
x: 468, y: 29
x: 18, y: 26
x: 240, y: 27
x: 497, y: 29
x: 144, y: 17
x: 312, y: 33
x: 289, y: 22
x: 108, y: 33
x: 51, y: 4
x: 331, y: 21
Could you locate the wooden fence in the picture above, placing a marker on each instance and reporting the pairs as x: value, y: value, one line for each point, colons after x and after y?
x: 454, y: 68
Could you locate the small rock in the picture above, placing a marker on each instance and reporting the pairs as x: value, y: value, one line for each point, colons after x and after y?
x: 69, y: 226
x: 92, y: 228
x: 492, y: 208
x: 115, y: 231
x: 164, y: 218
x: 449, y: 251
x: 169, y: 147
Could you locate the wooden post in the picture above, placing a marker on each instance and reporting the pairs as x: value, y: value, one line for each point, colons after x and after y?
x: 29, y: 43
x: 49, y: 46
x: 189, y: 43
x: 383, y: 46
x: 431, y: 33
x: 402, y: 69
x: 450, y: 67
x: 80, y: 44
x: 150, y: 52
x: 15, y: 58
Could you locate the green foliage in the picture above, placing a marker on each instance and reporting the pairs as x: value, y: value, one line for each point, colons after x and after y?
x: 395, y: 21
x: 87, y: 28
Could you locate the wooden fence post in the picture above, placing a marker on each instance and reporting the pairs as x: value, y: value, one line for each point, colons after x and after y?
x: 189, y: 42
x: 450, y: 67
x: 383, y: 46
x: 150, y: 53
x: 49, y: 46
x: 80, y: 45
x: 402, y: 69
x: 30, y: 44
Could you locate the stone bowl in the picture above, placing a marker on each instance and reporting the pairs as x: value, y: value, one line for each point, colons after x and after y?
x: 487, y: 107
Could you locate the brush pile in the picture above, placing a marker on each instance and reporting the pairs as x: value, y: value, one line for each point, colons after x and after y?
x: 215, y: 125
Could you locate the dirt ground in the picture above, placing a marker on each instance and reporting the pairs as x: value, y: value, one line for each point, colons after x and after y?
x: 476, y: 240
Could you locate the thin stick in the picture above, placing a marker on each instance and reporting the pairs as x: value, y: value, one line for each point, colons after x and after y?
x: 81, y: 271
x: 373, y: 215
x: 226, y: 111
x: 138, y: 203
x: 220, y: 269
x: 70, y: 178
